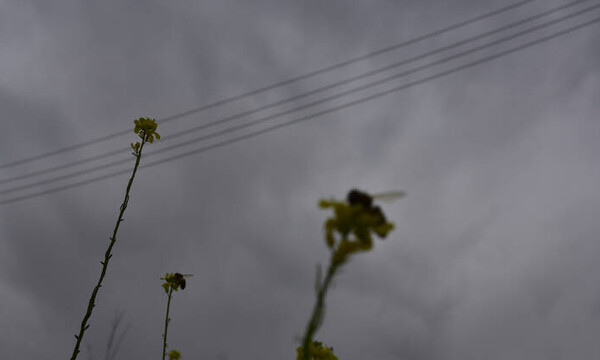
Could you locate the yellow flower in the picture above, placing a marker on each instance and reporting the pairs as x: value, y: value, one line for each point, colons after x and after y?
x: 317, y: 352
x: 358, y: 217
x: 174, y: 355
x: 146, y: 129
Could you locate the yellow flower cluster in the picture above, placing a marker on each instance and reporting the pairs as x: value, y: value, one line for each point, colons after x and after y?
x: 358, y: 218
x: 146, y: 130
x: 318, y: 351
x: 174, y: 355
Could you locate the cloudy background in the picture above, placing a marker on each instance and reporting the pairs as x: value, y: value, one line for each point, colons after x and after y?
x: 495, y: 254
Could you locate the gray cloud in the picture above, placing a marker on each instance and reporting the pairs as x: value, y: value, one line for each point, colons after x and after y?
x: 494, y: 255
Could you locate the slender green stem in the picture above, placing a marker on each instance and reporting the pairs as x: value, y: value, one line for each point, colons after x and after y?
x: 317, y: 314
x: 167, y: 324
x: 107, y: 256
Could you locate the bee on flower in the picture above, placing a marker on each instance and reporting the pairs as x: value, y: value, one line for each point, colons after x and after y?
x: 356, y: 216
x: 174, y: 281
x: 357, y: 197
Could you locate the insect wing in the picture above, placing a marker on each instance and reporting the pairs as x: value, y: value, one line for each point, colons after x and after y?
x: 389, y: 196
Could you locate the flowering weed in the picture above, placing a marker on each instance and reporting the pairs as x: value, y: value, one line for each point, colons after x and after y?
x: 145, y: 128
x: 173, y: 282
x: 347, y: 232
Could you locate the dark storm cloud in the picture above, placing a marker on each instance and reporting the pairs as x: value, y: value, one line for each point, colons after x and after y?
x: 494, y: 252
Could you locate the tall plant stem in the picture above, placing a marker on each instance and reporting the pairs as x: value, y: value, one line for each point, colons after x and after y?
x: 167, y: 324
x: 107, y: 256
x: 317, y: 314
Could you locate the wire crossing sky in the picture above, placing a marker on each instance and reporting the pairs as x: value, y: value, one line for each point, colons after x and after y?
x: 285, y: 82
x: 306, y: 94
x: 326, y: 99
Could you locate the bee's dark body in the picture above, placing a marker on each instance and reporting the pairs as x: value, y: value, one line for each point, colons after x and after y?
x: 180, y: 279
x: 357, y: 197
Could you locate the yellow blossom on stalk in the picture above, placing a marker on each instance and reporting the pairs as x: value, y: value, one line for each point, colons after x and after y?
x: 358, y: 217
x: 174, y: 355
x: 173, y: 282
x: 347, y: 232
x: 146, y: 129
x: 318, y: 351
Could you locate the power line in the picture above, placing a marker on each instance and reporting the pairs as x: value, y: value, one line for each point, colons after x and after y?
x: 293, y: 98
x: 323, y: 112
x: 276, y: 85
x: 323, y: 100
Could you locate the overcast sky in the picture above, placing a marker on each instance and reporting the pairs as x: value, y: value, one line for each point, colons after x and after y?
x: 495, y: 253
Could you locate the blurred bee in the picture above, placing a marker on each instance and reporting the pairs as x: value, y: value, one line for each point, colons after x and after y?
x: 357, y: 197
x: 180, y: 278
